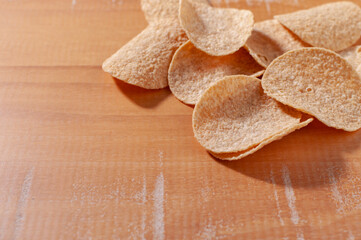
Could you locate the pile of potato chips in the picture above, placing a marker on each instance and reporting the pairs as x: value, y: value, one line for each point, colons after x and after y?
x: 211, y: 57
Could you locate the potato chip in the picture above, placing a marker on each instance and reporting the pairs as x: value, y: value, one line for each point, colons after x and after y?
x: 335, y: 26
x: 235, y: 115
x: 193, y: 71
x: 318, y: 82
x: 352, y: 55
x: 144, y: 61
x: 247, y: 152
x: 160, y: 10
x: 269, y: 40
x: 216, y: 31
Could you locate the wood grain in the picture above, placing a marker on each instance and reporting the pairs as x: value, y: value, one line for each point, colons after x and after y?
x: 84, y: 156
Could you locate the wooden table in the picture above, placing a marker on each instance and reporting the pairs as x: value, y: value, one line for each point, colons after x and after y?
x: 84, y: 156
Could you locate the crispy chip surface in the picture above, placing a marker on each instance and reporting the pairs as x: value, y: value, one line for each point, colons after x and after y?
x: 352, y: 55
x: 318, y: 82
x: 216, y: 31
x: 269, y: 40
x: 158, y: 10
x: 245, y: 153
x: 235, y: 115
x: 335, y: 26
x: 144, y: 61
x: 192, y: 71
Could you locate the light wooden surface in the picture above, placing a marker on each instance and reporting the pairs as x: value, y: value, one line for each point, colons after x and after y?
x: 84, y: 156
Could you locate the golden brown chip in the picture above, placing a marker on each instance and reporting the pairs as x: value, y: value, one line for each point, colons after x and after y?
x: 245, y: 153
x: 269, y: 40
x: 193, y: 71
x: 334, y: 26
x: 318, y: 82
x: 352, y: 55
x: 144, y: 61
x: 216, y: 31
x: 235, y: 115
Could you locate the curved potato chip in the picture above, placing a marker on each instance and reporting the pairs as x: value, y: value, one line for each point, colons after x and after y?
x: 216, y: 31
x: 144, y: 61
x: 245, y: 153
x: 234, y: 115
x: 193, y: 71
x: 318, y: 82
x: 335, y: 26
x: 269, y: 40
x: 352, y: 55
